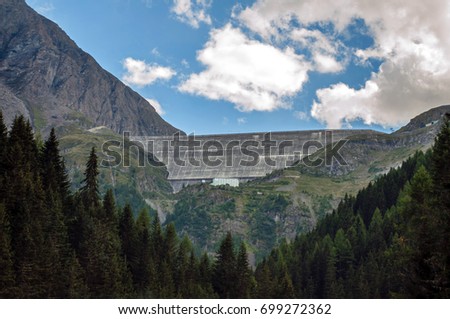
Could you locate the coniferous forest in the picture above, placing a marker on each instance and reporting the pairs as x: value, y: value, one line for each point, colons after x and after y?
x: 391, y: 240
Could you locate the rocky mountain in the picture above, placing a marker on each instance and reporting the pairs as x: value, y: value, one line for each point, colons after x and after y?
x: 424, y: 120
x: 48, y: 78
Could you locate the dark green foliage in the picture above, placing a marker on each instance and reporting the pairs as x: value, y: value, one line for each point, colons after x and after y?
x: 7, y: 280
x: 244, y: 280
x: 57, y: 245
x: 54, y: 175
x: 196, y: 213
x: 224, y: 275
x: 89, y: 192
x: 3, y: 153
x: 391, y: 240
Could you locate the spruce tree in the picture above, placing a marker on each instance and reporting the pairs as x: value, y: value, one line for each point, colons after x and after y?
x: 90, y: 191
x: 344, y: 255
x: 243, y: 274
x: 109, y: 209
x: 75, y: 281
x: 170, y: 245
x: 107, y: 275
x: 224, y: 275
x: 440, y: 172
x: 184, y: 269
x: 205, y: 277
x: 421, y: 238
x: 157, y: 241
x: 142, y: 275
x: 3, y: 152
x: 7, y: 276
x: 54, y: 175
x: 128, y: 235
x: 26, y: 212
x: 265, y: 282
x: 440, y: 168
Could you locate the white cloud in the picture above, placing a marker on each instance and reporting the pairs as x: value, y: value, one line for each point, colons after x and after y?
x: 248, y: 73
x: 303, y: 116
x: 323, y: 49
x: 242, y: 120
x: 410, y: 38
x: 141, y: 74
x: 192, y: 12
x: 327, y: 63
x: 158, y: 108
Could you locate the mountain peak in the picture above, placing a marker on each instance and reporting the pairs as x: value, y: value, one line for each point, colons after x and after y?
x: 48, y: 78
x: 425, y: 119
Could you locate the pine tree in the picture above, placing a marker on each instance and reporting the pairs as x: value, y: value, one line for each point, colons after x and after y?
x: 285, y: 287
x: 170, y: 245
x: 109, y: 209
x: 3, y: 153
x: 107, y: 274
x: 21, y: 136
x: 358, y: 237
x: 440, y: 168
x: 54, y: 175
x: 184, y: 269
x: 127, y: 235
x: 7, y: 280
x: 205, y: 277
x: 244, y: 279
x: 26, y: 212
x: 90, y: 191
x: 265, y: 284
x: 157, y: 240
x: 243, y: 274
x: 344, y: 255
x: 142, y: 275
x: 76, y: 286
x: 376, y: 240
x: 421, y: 237
x: 224, y: 276
x: 166, y: 287
x: 330, y: 290
x: 440, y: 172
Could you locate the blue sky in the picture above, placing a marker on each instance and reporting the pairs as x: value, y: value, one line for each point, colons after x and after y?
x: 213, y: 66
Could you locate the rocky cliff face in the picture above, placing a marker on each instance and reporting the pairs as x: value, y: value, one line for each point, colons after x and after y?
x: 47, y: 77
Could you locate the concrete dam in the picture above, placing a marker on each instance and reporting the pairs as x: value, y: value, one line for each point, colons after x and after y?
x: 233, y: 158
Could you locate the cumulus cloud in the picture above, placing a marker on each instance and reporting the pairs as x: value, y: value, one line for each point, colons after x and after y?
x: 192, y: 12
x: 248, y: 73
x: 140, y: 73
x: 158, y: 108
x: 324, y: 50
x: 410, y: 39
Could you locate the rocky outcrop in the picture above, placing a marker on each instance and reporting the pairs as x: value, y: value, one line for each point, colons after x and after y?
x: 47, y: 77
x: 424, y: 120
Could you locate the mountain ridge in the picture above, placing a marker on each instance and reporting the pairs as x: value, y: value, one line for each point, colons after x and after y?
x: 48, y: 78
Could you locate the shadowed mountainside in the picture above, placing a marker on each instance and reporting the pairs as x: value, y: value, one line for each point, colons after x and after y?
x: 45, y: 76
